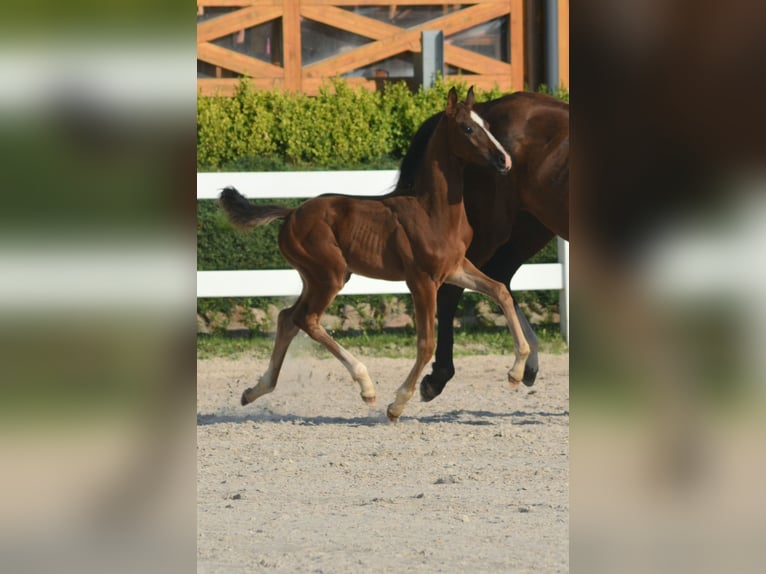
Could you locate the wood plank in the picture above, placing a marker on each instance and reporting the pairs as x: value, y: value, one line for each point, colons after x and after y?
x: 235, y: 3
x: 291, y: 44
x: 367, y: 54
x: 473, y: 62
x: 399, y: 2
x: 517, y: 43
x: 311, y: 85
x: 564, y: 43
x: 236, y: 21
x: 370, y: 28
x: 408, y: 40
x: 244, y: 3
x: 349, y: 21
x: 237, y: 62
x: 228, y: 86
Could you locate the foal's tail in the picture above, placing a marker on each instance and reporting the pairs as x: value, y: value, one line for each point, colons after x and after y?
x: 244, y: 215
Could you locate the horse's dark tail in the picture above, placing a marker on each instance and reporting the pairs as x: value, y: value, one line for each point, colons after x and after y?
x: 244, y: 215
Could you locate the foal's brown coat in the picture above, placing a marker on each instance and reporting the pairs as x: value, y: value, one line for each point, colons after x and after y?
x: 421, y: 239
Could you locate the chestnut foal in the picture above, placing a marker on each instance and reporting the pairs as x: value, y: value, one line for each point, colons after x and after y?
x: 421, y: 239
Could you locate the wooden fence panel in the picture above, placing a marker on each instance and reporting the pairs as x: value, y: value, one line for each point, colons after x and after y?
x: 388, y: 40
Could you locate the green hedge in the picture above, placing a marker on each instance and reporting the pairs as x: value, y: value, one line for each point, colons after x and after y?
x: 340, y: 128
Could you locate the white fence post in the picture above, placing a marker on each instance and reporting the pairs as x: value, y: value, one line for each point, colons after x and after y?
x: 563, y: 250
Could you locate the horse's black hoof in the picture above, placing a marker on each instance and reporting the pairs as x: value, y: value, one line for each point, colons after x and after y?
x: 428, y: 391
x: 432, y: 385
x: 530, y: 375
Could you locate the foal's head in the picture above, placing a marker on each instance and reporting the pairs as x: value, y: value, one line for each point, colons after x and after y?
x: 469, y: 135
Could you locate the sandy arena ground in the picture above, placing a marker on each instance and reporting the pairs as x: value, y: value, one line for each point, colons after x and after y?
x: 309, y: 479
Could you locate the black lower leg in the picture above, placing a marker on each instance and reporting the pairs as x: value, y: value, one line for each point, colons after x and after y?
x: 443, y: 369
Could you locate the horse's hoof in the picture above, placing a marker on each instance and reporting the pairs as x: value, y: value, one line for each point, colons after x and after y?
x: 431, y: 386
x: 244, y: 401
x: 530, y: 375
x: 515, y: 384
x: 370, y: 401
x: 391, y: 416
x: 427, y: 391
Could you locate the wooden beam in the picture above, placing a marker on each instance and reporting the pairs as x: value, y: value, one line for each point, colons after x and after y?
x: 237, y: 62
x: 349, y: 21
x: 235, y: 21
x: 311, y: 85
x: 406, y: 40
x: 237, y: 3
x: 399, y: 2
x: 474, y: 62
x: 291, y: 44
x: 228, y: 86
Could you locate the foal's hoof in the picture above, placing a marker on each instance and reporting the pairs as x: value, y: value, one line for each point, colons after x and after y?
x: 391, y: 416
x: 370, y: 401
x: 244, y: 400
x: 515, y: 384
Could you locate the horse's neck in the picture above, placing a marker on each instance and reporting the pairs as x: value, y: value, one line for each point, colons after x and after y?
x: 439, y: 187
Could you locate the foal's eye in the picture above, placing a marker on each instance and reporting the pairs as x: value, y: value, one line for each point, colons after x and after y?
x: 468, y: 129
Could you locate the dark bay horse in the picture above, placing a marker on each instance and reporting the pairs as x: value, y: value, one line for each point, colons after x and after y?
x: 513, y: 216
x: 420, y: 238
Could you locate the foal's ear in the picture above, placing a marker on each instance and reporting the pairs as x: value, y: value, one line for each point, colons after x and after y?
x: 469, y: 98
x: 452, y: 102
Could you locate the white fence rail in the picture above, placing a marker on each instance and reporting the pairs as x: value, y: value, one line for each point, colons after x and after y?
x: 287, y: 282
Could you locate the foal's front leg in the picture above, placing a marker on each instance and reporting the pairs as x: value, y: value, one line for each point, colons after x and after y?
x: 424, y: 299
x: 470, y: 277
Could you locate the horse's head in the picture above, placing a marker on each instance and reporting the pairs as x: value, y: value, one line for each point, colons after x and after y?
x: 469, y: 135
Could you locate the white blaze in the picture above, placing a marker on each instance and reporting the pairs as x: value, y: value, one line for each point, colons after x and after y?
x: 477, y: 118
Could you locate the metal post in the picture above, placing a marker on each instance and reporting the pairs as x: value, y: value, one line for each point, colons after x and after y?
x: 552, y: 44
x: 563, y: 250
x: 431, y: 57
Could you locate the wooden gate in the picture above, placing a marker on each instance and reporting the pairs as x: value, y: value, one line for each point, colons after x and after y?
x: 266, y: 40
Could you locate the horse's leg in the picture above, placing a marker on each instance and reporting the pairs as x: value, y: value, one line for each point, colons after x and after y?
x: 424, y: 300
x: 443, y: 368
x: 469, y: 277
x: 529, y: 236
x: 286, y: 331
x: 318, y: 298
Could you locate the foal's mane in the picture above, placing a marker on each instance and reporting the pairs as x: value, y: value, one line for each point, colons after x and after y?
x: 413, y: 159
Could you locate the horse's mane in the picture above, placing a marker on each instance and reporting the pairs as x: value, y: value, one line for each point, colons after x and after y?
x: 413, y: 159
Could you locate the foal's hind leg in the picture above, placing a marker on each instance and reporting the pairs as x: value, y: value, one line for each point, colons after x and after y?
x: 424, y: 300
x: 470, y: 277
x: 286, y: 331
x: 318, y: 298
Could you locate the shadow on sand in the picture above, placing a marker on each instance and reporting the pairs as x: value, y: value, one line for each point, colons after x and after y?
x: 463, y: 417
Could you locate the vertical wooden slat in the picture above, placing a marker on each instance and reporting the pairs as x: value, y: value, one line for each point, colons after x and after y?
x: 517, y: 44
x: 564, y: 43
x: 291, y: 44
